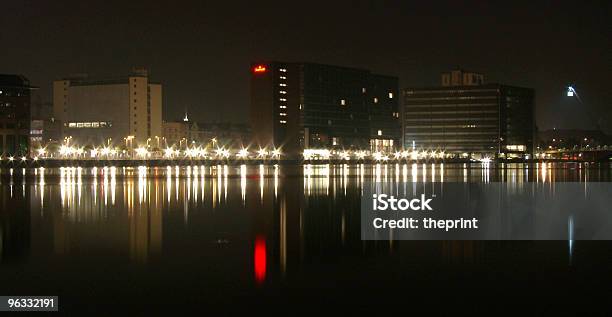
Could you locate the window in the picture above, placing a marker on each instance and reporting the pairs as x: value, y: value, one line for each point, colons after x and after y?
x: 282, y: 92
x: 379, y: 132
x: 282, y: 70
x: 363, y: 90
x: 282, y: 85
x: 342, y: 102
x: 375, y: 100
x: 390, y: 95
x: 283, y: 99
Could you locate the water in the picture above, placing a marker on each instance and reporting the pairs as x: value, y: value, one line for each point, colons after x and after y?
x: 277, y: 238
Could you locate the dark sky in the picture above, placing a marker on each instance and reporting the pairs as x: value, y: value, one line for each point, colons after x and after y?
x: 201, y: 50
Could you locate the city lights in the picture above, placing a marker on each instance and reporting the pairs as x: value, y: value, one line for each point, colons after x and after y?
x: 142, y: 152
x: 243, y: 153
x: 262, y: 153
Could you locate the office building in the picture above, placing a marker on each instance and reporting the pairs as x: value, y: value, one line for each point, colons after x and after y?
x: 467, y: 117
x: 300, y: 106
x: 15, y: 104
x: 97, y: 110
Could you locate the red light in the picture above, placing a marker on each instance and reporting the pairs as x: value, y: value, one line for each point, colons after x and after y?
x: 259, y: 69
x: 260, y: 259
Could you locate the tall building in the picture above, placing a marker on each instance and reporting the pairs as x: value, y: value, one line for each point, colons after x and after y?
x: 15, y: 104
x: 93, y: 110
x: 300, y: 106
x: 470, y: 119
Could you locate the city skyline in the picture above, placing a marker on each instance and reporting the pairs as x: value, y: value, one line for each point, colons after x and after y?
x: 203, y: 55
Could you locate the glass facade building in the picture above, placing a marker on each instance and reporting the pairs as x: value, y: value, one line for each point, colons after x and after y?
x: 488, y: 120
x: 300, y: 106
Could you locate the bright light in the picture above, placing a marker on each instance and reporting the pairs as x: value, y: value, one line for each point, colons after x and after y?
x: 243, y: 153
x: 361, y: 155
x: 36, y: 158
x: 222, y: 152
x: 570, y: 91
x: 276, y: 153
x: 142, y: 152
x: 23, y: 158
x: 93, y: 152
x: 312, y: 153
x: 11, y: 158
x: 262, y: 153
x: 168, y: 152
x: 41, y: 151
x: 191, y: 152
x: 485, y: 160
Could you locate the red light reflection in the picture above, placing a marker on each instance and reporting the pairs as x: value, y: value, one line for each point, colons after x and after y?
x: 260, y: 259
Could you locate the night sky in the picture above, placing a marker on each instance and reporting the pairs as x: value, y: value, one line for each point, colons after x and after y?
x: 201, y: 50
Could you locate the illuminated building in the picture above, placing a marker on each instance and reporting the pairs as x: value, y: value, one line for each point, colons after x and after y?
x: 94, y: 110
x: 466, y: 117
x: 304, y: 105
x: 15, y: 103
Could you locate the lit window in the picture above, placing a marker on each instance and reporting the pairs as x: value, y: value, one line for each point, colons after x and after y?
x: 343, y: 102
x: 282, y: 114
x: 283, y: 121
x: 283, y: 92
x: 375, y: 100
x: 283, y: 70
x: 379, y: 132
x: 282, y: 85
x: 282, y: 77
x: 283, y: 107
x: 363, y: 90
x: 390, y: 95
x: 282, y: 99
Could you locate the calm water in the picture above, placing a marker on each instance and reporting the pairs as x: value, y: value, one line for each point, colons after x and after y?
x: 272, y: 238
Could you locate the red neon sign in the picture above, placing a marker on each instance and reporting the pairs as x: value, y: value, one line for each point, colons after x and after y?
x: 259, y: 69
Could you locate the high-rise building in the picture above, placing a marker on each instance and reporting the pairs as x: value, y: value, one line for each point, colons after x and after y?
x: 15, y: 104
x: 472, y: 119
x: 300, y: 106
x: 95, y: 110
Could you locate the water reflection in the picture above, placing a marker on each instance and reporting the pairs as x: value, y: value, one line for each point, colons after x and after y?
x: 281, y: 215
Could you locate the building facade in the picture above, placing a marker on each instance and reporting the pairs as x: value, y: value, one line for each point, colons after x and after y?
x: 96, y: 111
x: 298, y: 106
x: 15, y: 107
x: 470, y: 120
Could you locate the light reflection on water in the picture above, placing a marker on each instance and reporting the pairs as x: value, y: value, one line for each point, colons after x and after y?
x: 280, y: 214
